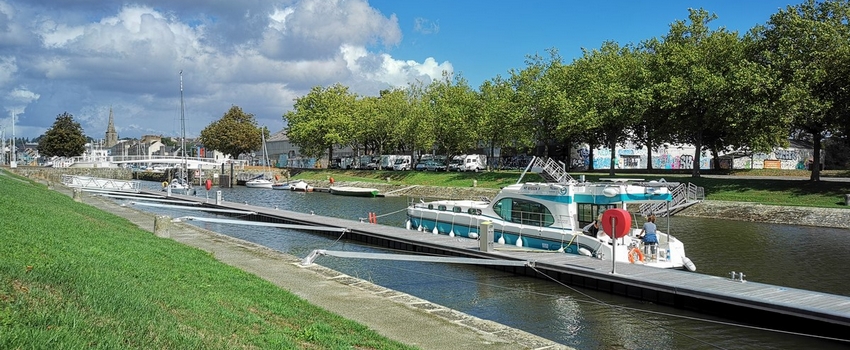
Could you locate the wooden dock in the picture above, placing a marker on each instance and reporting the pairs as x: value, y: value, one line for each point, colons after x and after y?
x: 753, y: 303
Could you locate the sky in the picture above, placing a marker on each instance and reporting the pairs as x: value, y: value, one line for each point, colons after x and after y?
x: 87, y: 57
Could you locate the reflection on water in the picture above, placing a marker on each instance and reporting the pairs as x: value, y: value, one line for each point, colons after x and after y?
x: 794, y: 256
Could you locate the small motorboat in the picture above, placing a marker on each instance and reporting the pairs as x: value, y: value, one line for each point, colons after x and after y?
x: 301, y: 186
x: 280, y: 186
x: 353, y: 191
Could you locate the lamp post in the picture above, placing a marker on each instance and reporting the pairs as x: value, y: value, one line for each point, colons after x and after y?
x: 13, y: 163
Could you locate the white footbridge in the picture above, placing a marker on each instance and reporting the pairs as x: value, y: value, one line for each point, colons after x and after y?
x: 95, y: 183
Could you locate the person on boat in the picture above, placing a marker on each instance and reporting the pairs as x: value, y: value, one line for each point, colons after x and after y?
x: 592, y: 229
x: 649, y: 236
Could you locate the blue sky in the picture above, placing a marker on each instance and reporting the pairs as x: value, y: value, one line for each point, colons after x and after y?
x: 87, y: 56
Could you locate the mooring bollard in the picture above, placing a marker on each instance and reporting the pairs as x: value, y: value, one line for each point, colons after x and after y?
x: 78, y: 195
x: 161, y: 226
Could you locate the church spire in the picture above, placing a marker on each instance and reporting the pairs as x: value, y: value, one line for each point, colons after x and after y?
x: 111, y: 134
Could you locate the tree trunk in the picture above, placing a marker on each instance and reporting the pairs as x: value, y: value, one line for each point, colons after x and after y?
x: 613, y: 147
x: 330, y: 156
x: 816, y: 140
x: 648, y: 152
x: 697, y: 153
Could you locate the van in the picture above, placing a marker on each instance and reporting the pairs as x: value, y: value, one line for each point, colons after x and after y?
x: 457, y: 163
x: 402, y: 163
x: 473, y: 162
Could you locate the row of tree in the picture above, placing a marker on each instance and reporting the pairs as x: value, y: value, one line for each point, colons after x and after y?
x: 713, y: 88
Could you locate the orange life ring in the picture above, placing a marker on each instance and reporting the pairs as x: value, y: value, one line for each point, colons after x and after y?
x: 635, y: 254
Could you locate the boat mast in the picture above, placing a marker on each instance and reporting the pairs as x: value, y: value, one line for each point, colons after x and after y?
x: 184, y: 170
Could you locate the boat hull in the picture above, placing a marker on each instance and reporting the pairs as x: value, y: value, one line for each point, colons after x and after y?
x: 259, y: 184
x: 354, y: 191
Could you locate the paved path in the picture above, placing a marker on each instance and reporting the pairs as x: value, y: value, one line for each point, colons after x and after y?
x: 393, y: 314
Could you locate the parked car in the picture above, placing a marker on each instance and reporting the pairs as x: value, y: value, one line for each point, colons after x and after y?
x: 435, y: 165
x: 420, y: 166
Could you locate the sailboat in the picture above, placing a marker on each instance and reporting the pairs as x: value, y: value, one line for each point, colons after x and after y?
x: 181, y: 183
x: 261, y: 181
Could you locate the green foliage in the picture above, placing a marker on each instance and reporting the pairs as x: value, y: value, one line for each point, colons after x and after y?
x: 807, y: 46
x: 452, y: 108
x: 699, y: 71
x: 324, y: 118
x: 616, y: 93
x: 234, y: 134
x: 64, y: 139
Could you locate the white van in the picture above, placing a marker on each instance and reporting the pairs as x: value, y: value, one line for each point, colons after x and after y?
x: 473, y: 162
x: 402, y: 163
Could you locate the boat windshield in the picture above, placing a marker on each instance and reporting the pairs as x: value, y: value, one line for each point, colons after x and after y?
x: 524, y: 212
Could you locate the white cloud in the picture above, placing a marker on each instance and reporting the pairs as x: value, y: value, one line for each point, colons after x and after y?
x: 425, y: 26
x: 22, y: 95
x: 8, y: 68
x: 259, y: 55
x: 383, y: 68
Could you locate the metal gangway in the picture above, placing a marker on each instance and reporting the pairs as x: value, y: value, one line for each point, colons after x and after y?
x: 95, y: 183
x: 549, y: 169
x: 684, y: 195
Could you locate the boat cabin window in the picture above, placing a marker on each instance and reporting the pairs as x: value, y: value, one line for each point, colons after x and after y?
x: 524, y: 212
x: 587, y: 212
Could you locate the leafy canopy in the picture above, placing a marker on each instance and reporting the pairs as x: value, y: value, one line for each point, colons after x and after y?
x: 234, y: 134
x: 64, y: 139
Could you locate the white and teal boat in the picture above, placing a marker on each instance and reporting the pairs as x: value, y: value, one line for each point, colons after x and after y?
x: 555, y: 215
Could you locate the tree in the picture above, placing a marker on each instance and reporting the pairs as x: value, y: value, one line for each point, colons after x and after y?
x: 807, y: 45
x: 234, y: 134
x: 64, y: 139
x: 321, y: 119
x: 501, y: 122
x: 615, y: 95
x: 536, y: 97
x: 696, y: 86
x: 453, y: 110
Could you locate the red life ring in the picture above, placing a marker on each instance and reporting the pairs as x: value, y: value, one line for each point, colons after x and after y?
x: 635, y: 254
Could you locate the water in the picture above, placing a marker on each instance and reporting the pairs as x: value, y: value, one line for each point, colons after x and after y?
x: 794, y: 256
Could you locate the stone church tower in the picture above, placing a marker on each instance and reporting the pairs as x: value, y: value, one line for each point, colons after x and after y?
x: 111, y: 134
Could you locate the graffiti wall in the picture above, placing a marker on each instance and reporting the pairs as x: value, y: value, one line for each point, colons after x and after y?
x: 631, y: 157
x: 682, y: 157
x: 789, y: 158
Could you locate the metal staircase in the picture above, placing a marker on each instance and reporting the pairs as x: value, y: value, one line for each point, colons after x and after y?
x: 549, y: 169
x: 684, y: 195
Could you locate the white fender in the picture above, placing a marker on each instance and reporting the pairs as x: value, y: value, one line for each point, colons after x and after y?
x: 689, y: 264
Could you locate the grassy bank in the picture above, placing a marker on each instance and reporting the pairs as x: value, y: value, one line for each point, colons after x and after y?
x: 72, y: 276
x: 734, y: 187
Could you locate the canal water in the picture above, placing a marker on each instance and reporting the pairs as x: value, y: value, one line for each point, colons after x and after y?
x: 794, y: 256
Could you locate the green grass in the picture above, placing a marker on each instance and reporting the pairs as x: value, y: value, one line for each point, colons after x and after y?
x: 72, y: 277
x: 797, y: 192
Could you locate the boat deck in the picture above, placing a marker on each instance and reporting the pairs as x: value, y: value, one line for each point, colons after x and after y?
x: 744, y: 301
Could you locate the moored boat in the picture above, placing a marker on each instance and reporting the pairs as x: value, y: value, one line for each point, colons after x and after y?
x: 353, y: 191
x: 300, y: 186
x: 259, y: 183
x: 280, y: 186
x: 555, y: 215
